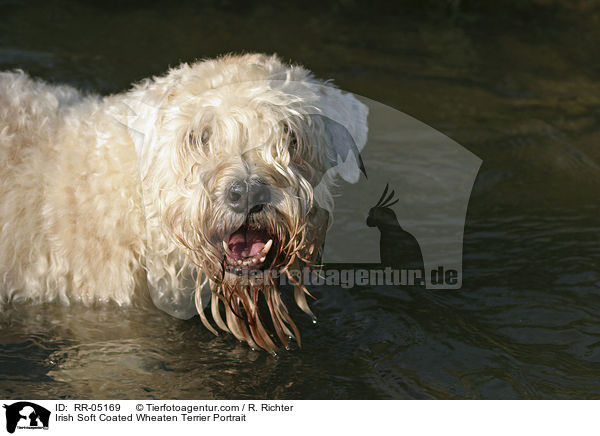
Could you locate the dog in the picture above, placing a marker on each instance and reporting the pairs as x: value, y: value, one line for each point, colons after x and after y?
x: 200, y: 187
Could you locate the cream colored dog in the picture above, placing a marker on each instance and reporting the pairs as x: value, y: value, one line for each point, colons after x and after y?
x: 191, y: 184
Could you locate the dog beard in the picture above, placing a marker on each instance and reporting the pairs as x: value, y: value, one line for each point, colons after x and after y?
x: 254, y: 259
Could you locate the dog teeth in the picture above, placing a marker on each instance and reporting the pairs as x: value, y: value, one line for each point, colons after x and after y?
x: 267, y: 247
x: 258, y: 258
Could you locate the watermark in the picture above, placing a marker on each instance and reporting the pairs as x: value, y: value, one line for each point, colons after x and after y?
x: 399, y: 202
x: 348, y: 278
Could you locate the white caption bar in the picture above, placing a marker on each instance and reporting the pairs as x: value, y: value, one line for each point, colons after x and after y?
x: 44, y: 418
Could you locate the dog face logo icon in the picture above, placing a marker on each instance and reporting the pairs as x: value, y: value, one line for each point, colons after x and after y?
x: 26, y: 415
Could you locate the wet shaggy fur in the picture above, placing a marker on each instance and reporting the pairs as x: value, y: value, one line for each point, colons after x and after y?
x: 105, y: 197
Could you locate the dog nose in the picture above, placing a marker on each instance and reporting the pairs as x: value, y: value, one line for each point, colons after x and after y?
x: 245, y: 197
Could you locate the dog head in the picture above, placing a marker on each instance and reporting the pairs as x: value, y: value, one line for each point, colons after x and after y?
x: 238, y: 162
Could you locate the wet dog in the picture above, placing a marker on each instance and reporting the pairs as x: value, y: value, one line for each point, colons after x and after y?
x: 202, y: 186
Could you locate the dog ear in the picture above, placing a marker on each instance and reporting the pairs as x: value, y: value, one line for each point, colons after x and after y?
x: 345, y: 121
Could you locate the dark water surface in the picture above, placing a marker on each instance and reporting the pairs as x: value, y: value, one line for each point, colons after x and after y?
x: 518, y: 84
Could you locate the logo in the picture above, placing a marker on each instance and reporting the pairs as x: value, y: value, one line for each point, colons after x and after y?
x: 416, y: 228
x: 26, y: 415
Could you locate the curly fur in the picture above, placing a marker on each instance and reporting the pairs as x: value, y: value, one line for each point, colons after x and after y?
x: 104, y: 197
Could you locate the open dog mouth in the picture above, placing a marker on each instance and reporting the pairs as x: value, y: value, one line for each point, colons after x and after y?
x: 247, y: 249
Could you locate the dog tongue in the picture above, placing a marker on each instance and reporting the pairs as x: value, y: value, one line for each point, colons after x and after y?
x: 246, y: 242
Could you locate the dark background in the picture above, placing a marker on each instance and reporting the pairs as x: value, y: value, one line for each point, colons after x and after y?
x: 515, y: 82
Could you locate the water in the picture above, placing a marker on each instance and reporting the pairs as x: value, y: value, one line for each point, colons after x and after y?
x: 516, y: 85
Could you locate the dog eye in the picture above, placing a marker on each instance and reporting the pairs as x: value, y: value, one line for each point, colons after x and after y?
x: 292, y: 140
x: 200, y: 140
x: 205, y: 136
